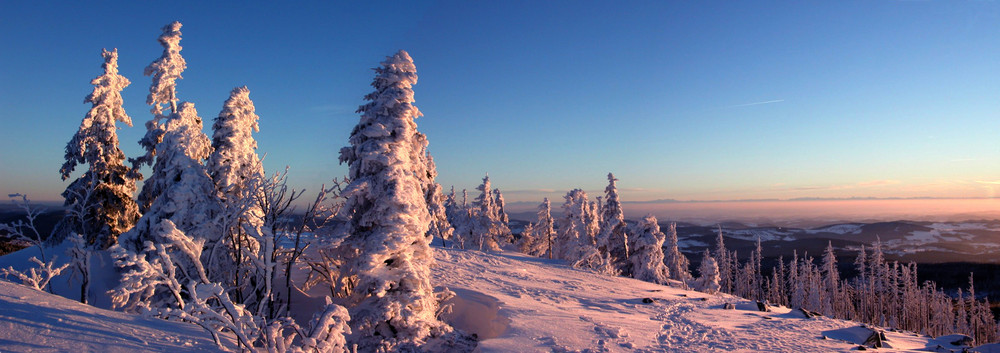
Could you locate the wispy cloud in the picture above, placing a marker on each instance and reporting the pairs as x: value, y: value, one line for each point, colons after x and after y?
x: 755, y: 103
x: 994, y: 182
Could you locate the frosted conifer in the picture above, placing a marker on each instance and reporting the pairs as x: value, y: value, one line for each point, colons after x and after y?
x: 187, y: 194
x: 234, y: 158
x: 674, y: 258
x: 104, y: 192
x: 613, y: 237
x: 647, y: 255
x: 386, y: 217
x: 488, y: 230
x: 165, y: 70
x: 708, y: 281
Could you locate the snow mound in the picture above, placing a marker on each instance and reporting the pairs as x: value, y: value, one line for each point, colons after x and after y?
x: 40, y: 322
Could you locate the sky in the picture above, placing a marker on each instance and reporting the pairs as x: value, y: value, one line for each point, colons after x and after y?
x: 682, y: 100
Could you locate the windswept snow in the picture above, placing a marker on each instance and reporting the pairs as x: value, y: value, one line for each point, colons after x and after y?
x: 517, y: 303
x: 40, y: 322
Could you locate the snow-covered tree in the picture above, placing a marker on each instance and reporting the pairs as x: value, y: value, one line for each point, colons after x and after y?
x: 575, y: 241
x: 831, y: 280
x: 386, y: 218
x: 613, y: 237
x: 166, y: 70
x: 647, y: 254
x: 238, y: 174
x: 489, y: 231
x: 234, y: 157
x: 187, y: 194
x: 708, y: 271
x: 501, y: 207
x: 721, y: 256
x: 104, y: 191
x: 676, y: 262
x: 440, y: 227
x: 536, y: 240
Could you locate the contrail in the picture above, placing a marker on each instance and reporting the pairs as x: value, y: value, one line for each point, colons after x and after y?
x: 756, y: 103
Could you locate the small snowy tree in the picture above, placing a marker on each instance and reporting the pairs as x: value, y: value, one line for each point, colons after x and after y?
x: 577, y: 231
x: 386, y: 218
x: 675, y: 260
x: 613, y: 237
x: 536, y: 239
x: 647, y: 255
x: 708, y: 271
x: 489, y: 231
x: 104, y: 191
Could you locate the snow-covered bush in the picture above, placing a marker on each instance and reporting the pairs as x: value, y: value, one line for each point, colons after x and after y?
x: 150, y: 284
x: 36, y: 278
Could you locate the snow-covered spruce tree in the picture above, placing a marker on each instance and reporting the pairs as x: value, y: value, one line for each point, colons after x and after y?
x: 831, y: 281
x: 577, y: 231
x: 676, y: 262
x: 386, y: 218
x: 234, y: 156
x: 613, y: 237
x: 166, y: 70
x: 104, y: 191
x: 489, y: 232
x: 187, y: 194
x: 536, y: 240
x: 501, y: 207
x: 440, y: 227
x: 647, y: 254
x: 238, y: 175
x: 721, y: 256
x: 708, y: 271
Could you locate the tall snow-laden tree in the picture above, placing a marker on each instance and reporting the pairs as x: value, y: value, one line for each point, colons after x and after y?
x: 721, y: 256
x: 647, y: 255
x: 386, y: 218
x: 708, y: 271
x: 501, y: 208
x: 674, y: 258
x: 234, y: 157
x: 613, y: 238
x: 104, y: 192
x: 165, y: 71
x: 187, y: 194
x: 831, y: 280
x: 238, y: 175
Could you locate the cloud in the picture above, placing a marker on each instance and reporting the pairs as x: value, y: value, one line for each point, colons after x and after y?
x: 994, y: 182
x: 755, y: 103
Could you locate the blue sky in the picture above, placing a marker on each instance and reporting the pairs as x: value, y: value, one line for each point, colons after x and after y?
x: 690, y: 100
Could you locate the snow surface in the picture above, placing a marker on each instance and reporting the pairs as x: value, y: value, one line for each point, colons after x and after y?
x: 513, y: 302
x: 518, y: 303
x: 40, y: 322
